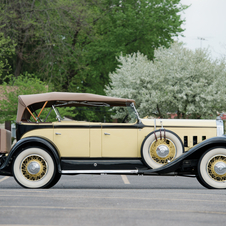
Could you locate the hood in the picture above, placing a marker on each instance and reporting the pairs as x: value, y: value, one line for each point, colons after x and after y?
x: 180, y: 122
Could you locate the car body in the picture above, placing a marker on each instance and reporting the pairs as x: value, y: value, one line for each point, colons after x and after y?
x: 105, y: 135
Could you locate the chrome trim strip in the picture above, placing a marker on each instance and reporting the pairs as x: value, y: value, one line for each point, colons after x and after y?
x: 98, y: 171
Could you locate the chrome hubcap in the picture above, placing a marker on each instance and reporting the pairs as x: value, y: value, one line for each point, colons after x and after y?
x: 220, y: 168
x: 33, y: 167
x: 162, y: 151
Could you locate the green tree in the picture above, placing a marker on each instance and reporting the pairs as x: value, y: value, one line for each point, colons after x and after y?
x: 6, y: 49
x: 178, y: 80
x: 48, y: 37
x: 22, y: 85
x: 116, y: 27
x: 22, y: 22
x: 67, y: 63
x: 73, y: 44
x: 25, y: 85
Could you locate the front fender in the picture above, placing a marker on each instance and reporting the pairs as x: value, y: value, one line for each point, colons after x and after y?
x: 194, y: 153
x: 33, y: 141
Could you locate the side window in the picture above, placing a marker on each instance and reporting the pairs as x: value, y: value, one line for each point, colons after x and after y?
x: 123, y: 115
x: 88, y: 112
x: 103, y: 114
x: 47, y: 115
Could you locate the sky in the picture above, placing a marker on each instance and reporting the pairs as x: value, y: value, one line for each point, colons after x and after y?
x: 205, y: 26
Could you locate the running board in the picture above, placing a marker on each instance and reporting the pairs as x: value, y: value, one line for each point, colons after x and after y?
x: 66, y: 172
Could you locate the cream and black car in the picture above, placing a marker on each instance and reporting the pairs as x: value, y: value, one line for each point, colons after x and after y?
x: 79, y: 133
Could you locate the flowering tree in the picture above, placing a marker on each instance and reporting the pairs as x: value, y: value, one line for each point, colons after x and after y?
x: 178, y: 80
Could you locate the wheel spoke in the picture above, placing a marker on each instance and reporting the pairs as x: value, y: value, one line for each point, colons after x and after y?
x: 216, y: 168
x: 162, y: 151
x: 34, y: 167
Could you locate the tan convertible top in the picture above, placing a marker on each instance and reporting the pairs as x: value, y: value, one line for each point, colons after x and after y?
x: 36, y: 101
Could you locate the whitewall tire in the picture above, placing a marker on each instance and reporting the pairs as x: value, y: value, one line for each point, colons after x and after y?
x: 212, y: 168
x: 34, y: 167
x: 161, y: 147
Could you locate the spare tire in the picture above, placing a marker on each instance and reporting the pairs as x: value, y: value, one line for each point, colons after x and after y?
x: 161, y: 147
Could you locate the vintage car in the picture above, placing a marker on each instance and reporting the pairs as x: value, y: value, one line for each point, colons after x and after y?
x: 105, y: 135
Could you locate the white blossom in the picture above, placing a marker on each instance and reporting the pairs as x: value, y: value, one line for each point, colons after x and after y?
x: 177, y: 80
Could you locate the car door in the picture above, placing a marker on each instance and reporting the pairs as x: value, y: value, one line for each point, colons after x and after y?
x: 72, y: 138
x: 119, y: 140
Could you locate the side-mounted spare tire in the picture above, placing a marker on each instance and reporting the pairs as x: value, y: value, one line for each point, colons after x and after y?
x: 161, y: 147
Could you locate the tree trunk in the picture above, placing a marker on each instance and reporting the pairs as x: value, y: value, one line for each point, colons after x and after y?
x: 178, y: 114
x: 160, y: 115
x: 19, y: 63
x: 183, y: 115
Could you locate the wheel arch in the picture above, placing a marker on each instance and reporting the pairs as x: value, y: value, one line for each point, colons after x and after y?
x: 199, y: 152
x: 34, y: 141
x: 194, y: 153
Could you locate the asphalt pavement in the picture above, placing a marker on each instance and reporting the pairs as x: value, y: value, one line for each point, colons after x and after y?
x: 113, y: 200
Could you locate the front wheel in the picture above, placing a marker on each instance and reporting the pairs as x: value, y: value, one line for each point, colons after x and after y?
x: 212, y: 168
x: 34, y: 167
x: 161, y: 147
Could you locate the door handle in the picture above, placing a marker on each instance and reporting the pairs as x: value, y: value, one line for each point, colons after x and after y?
x: 107, y: 134
x: 58, y: 133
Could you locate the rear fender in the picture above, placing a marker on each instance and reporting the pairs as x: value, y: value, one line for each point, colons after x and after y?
x: 33, y: 141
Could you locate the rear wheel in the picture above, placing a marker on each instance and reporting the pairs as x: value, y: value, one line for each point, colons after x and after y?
x: 161, y: 147
x: 34, y: 167
x: 212, y: 168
